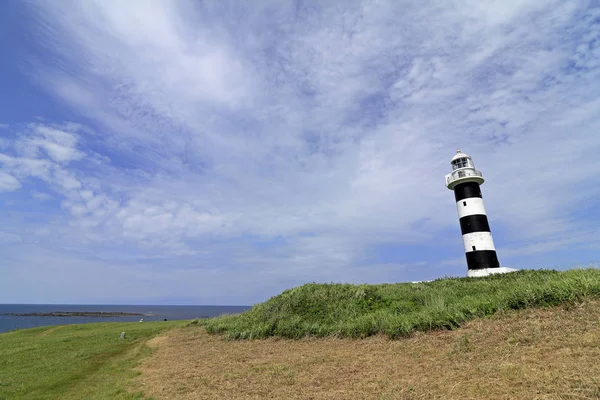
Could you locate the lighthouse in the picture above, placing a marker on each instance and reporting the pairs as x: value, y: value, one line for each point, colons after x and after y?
x: 480, y: 251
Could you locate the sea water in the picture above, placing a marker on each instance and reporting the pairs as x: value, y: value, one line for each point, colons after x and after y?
x: 150, y: 313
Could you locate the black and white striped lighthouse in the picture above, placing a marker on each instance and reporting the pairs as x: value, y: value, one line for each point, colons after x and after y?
x: 480, y: 251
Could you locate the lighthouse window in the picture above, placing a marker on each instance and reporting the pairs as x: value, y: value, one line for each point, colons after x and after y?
x: 464, y: 203
x: 461, y: 163
x: 473, y: 248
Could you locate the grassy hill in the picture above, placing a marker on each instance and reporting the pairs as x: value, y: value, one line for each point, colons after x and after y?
x: 398, y: 310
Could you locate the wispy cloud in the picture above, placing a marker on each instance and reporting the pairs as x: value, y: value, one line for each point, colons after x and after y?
x: 295, y: 141
x: 41, y: 196
x: 8, y: 182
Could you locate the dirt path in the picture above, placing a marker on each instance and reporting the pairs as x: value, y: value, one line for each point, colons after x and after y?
x: 534, y: 354
x: 49, y: 331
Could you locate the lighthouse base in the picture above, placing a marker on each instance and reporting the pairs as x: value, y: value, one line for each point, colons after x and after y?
x: 477, y: 273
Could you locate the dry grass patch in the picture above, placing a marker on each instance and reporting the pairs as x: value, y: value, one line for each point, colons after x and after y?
x: 157, y: 341
x: 530, y: 354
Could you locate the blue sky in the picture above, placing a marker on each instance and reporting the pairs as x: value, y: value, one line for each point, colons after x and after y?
x: 214, y: 152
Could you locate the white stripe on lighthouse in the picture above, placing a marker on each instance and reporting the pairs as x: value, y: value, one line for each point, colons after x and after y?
x: 478, y: 241
x: 470, y: 206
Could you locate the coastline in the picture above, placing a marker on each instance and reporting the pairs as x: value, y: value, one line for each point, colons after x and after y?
x: 74, y: 314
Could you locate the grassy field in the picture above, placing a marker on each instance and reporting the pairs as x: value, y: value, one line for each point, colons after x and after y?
x: 539, y: 338
x: 86, y: 361
x: 398, y: 310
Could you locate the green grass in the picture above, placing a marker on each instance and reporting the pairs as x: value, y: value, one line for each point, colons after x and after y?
x: 400, y: 309
x: 87, y: 361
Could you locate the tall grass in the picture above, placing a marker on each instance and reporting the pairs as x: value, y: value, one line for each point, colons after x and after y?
x: 400, y: 309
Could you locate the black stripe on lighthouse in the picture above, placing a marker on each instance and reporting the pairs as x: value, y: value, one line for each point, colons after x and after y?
x: 467, y: 190
x: 477, y: 238
x: 482, y: 259
x: 474, y: 223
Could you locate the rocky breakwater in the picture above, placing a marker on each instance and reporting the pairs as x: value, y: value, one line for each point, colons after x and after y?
x: 74, y: 314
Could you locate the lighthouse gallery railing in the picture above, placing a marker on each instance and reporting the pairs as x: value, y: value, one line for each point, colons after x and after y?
x: 461, y: 174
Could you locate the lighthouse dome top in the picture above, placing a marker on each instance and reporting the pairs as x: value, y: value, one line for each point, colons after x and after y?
x: 459, y: 154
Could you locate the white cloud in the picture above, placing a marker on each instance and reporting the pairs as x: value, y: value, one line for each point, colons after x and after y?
x: 41, y: 196
x: 60, y: 146
x: 336, y: 70
x: 328, y: 128
x: 9, y: 238
x: 8, y: 183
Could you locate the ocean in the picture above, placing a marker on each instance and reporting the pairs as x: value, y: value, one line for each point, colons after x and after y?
x: 9, y: 321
